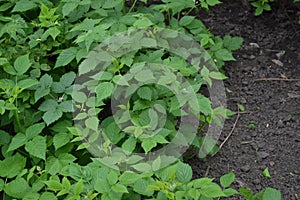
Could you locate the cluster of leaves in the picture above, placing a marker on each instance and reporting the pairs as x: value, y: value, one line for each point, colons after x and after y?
x: 264, y: 5
x: 42, y: 154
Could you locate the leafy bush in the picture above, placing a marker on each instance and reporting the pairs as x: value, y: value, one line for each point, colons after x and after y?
x: 45, y: 44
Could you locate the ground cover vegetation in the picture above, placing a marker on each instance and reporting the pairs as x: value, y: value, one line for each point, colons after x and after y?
x: 45, y: 45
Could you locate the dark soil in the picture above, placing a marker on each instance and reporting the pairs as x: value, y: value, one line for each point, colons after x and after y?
x: 272, y: 105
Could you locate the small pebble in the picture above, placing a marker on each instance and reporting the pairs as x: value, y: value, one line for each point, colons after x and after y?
x: 262, y: 154
x: 246, y: 168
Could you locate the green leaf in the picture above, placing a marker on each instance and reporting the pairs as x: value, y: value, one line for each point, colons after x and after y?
x: 266, y: 173
x: 22, y: 64
x: 104, y: 90
x: 52, y: 31
x: 213, y: 2
x: 68, y: 8
x: 47, y: 196
x: 183, y: 172
x: 18, y: 140
x: 129, y: 144
x: 37, y: 147
x: 186, y: 20
x: 24, y: 5
x: 271, y: 194
x: 128, y: 178
x: 111, y: 3
x: 12, y: 166
x: 232, y: 43
x: 224, y: 54
x: 144, y: 75
x: 51, y: 116
x: 217, y: 75
x: 102, y: 186
x: 79, y: 97
x: 48, y: 105
x: 54, y: 185
x: 92, y: 123
x: 67, y: 79
x: 78, y: 188
x: 27, y: 83
x: 44, y: 88
x: 54, y: 165
x: 148, y: 144
x: 119, y: 188
x: 66, y: 106
x: 204, y: 104
x: 227, y: 179
x: 17, y: 188
x: 145, y: 93
x: 212, y: 191
x: 142, y: 167
x: 156, y: 164
x: 65, y: 57
x: 60, y: 139
x: 230, y: 192
x: 34, y: 130
x: 143, y: 23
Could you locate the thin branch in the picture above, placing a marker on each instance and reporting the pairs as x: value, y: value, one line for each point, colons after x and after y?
x: 232, y: 130
x: 275, y: 79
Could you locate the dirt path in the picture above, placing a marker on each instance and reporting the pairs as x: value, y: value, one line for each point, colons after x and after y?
x: 268, y: 134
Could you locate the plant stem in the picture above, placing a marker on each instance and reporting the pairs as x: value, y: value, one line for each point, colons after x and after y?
x: 133, y: 5
x: 20, y: 127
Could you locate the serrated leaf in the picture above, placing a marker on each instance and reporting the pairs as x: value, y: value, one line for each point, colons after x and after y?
x: 68, y: 8
x: 65, y: 57
x: 48, y: 105
x: 104, y: 90
x: 144, y: 75
x: 22, y: 64
x: 227, y: 179
x: 129, y: 144
x: 145, y: 93
x: 27, y: 83
x: 47, y: 196
x: 92, y: 123
x: 183, y: 172
x: 204, y: 104
x: 67, y: 79
x: 112, y: 177
x: 60, y: 139
x: 271, y: 194
x: 24, y: 5
x: 51, y: 116
x: 156, y: 164
x: 128, y: 178
x: 102, y: 186
x: 34, y: 130
x: 37, y: 147
x: 142, y: 167
x: 17, y: 141
x: 148, y: 144
x: 66, y: 106
x: 52, y: 31
x: 119, y: 188
x: 12, y: 166
x: 224, y: 54
x: 54, y: 185
x: 54, y: 165
x: 212, y: 191
x: 17, y: 188
x: 232, y: 43
x: 79, y: 97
